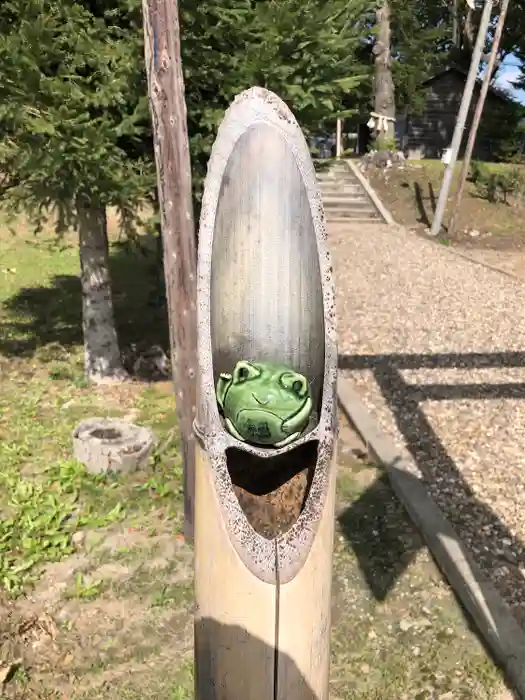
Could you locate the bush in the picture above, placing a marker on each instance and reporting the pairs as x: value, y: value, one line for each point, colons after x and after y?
x: 497, y: 186
x: 478, y: 172
x: 385, y: 143
x: 510, y: 182
x: 511, y: 150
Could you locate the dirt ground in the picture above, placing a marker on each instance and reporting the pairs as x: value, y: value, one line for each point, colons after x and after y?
x: 411, y: 191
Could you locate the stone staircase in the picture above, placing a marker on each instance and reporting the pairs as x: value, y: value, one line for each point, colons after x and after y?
x: 345, y: 200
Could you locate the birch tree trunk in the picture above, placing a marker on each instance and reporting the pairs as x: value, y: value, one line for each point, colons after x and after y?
x: 385, y: 104
x: 102, y: 360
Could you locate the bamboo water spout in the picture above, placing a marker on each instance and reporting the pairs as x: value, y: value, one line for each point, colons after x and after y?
x: 264, y: 513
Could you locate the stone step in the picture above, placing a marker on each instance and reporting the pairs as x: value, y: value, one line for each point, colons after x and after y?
x: 344, y: 178
x: 335, y: 166
x: 336, y: 177
x: 352, y: 219
x: 349, y: 213
x: 344, y: 198
x: 358, y: 192
x: 350, y: 206
x: 348, y: 203
x: 343, y: 188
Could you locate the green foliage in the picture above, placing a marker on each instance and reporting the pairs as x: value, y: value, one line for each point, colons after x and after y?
x: 74, y: 117
x: 421, y: 36
x: 69, y: 109
x: 512, y: 41
x: 511, y: 148
x: 386, y: 143
x: 499, y: 129
x: 478, y: 172
x: 304, y: 50
x: 40, y: 515
x: 496, y: 186
x: 45, y: 496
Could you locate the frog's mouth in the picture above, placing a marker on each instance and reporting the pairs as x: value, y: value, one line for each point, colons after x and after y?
x: 262, y: 426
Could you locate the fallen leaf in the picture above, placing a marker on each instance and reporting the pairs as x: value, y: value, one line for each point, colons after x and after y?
x: 67, y: 660
x: 7, y: 670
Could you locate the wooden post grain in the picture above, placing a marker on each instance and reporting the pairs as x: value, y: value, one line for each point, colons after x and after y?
x: 168, y: 114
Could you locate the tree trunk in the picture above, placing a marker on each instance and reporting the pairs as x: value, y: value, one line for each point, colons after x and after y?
x: 385, y: 104
x: 102, y: 359
x: 468, y: 32
x: 456, y: 39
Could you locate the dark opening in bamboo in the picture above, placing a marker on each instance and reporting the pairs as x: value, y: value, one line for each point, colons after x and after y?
x: 272, y: 491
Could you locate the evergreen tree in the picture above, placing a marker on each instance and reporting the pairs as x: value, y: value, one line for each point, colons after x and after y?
x: 421, y: 47
x: 68, y: 109
x: 304, y: 50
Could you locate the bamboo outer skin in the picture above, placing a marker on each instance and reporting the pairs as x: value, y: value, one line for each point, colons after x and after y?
x: 265, y: 292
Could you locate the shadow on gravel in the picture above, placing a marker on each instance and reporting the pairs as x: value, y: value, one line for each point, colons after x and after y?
x: 493, y: 546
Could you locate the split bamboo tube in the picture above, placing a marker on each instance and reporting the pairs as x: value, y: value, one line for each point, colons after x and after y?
x: 264, y: 516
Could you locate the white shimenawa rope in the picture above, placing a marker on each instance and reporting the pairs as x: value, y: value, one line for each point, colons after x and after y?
x: 379, y: 122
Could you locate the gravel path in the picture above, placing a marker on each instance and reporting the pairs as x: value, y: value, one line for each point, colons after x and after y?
x: 435, y: 344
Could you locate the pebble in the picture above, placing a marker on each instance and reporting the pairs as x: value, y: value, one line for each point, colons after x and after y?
x: 78, y: 539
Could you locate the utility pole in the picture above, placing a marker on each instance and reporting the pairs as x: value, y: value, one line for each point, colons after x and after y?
x: 172, y: 158
x: 462, y: 118
x: 477, y: 116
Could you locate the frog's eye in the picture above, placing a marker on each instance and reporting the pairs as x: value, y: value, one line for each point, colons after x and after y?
x: 296, y: 383
x: 244, y: 371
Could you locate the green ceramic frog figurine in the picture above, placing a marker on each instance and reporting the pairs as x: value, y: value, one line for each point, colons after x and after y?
x: 264, y: 403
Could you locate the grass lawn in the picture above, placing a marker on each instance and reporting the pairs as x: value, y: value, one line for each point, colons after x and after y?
x: 96, y: 590
x: 411, y: 193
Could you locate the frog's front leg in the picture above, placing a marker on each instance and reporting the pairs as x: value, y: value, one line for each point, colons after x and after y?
x: 287, y: 440
x: 233, y: 430
x: 223, y: 384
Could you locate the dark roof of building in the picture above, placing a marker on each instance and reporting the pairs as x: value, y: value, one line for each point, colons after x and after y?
x: 495, y: 91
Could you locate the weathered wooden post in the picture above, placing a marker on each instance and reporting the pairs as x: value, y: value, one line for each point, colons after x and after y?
x: 172, y: 159
x: 264, y: 506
